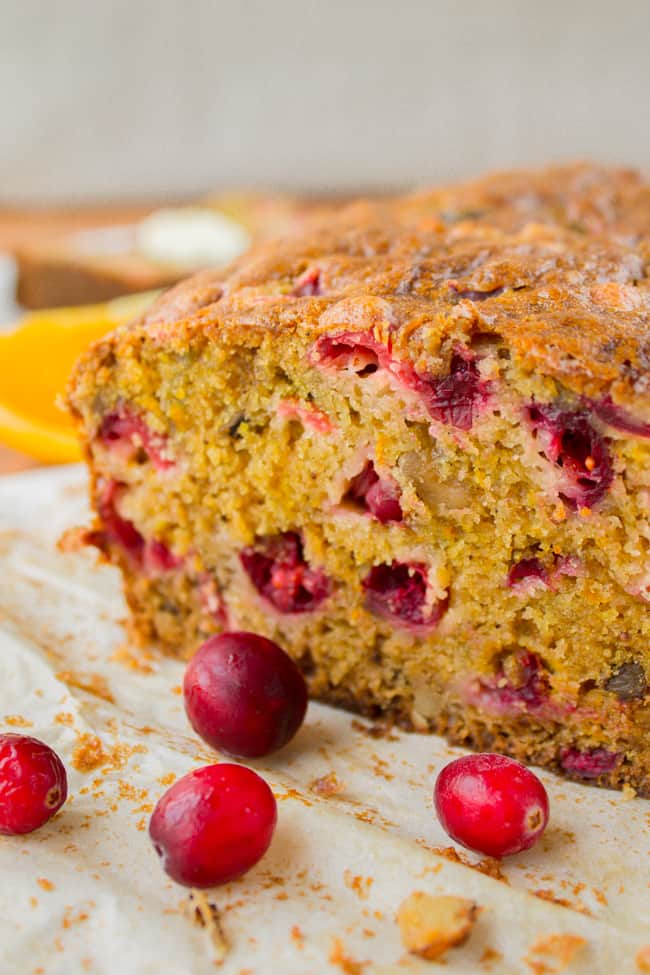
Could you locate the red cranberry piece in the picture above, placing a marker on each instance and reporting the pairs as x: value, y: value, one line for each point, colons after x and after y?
x: 526, y: 571
x: 33, y: 784
x: 244, y: 695
x: 531, y: 690
x: 590, y: 763
x: 354, y: 351
x: 570, y: 442
x: 399, y: 592
x: 118, y: 530
x: 125, y: 433
x: 491, y: 804
x: 614, y: 416
x: 309, y: 285
x: 213, y: 825
x: 453, y: 399
x: 379, y: 496
x: 278, y: 570
x: 152, y: 555
x: 157, y: 558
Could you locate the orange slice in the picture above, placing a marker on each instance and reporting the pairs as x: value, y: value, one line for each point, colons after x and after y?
x: 36, y: 359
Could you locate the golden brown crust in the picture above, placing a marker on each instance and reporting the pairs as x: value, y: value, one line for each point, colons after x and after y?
x: 188, y: 471
x: 556, y: 261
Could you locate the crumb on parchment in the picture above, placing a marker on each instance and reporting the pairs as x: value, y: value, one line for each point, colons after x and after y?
x: 489, y: 958
x: 553, y: 953
x: 347, y: 964
x: 17, y: 721
x: 573, y: 905
x: 642, y: 959
x: 360, y: 885
x: 327, y: 785
x: 89, y: 753
x: 205, y: 914
x: 95, y: 684
x: 431, y: 924
x: 488, y: 865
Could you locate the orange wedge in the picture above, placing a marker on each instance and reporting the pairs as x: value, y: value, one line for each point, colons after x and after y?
x: 36, y: 359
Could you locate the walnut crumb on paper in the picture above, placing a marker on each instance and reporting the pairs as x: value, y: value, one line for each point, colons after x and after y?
x: 429, y: 925
x: 553, y: 953
x: 205, y: 914
x: 327, y: 785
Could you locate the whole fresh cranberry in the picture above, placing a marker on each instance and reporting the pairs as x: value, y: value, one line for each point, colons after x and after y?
x: 33, y: 784
x: 244, y: 695
x: 491, y: 804
x: 213, y: 825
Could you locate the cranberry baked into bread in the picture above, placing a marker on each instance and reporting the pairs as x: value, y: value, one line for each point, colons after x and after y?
x: 413, y: 447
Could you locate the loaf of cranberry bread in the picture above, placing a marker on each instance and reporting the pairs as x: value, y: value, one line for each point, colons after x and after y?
x: 413, y: 447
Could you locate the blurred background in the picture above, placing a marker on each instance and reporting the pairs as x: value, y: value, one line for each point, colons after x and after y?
x: 245, y: 118
x: 150, y: 97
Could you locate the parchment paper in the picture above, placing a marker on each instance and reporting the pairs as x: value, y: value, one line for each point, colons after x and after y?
x: 86, y: 893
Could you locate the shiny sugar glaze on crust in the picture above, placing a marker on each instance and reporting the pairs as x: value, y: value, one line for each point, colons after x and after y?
x: 413, y: 447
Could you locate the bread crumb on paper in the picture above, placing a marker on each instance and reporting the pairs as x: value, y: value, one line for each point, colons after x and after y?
x: 297, y: 936
x: 360, y: 885
x: 643, y: 959
x: 45, y: 884
x: 431, y: 924
x: 205, y: 914
x: 95, y: 684
x: 89, y: 754
x: 347, y: 964
x: 327, y: 785
x: 17, y: 721
x: 548, y: 895
x: 488, y: 865
x: 489, y: 958
x: 553, y: 953
x: 138, y: 661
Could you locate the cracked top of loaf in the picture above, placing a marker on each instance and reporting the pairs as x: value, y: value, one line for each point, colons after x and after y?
x: 555, y: 261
